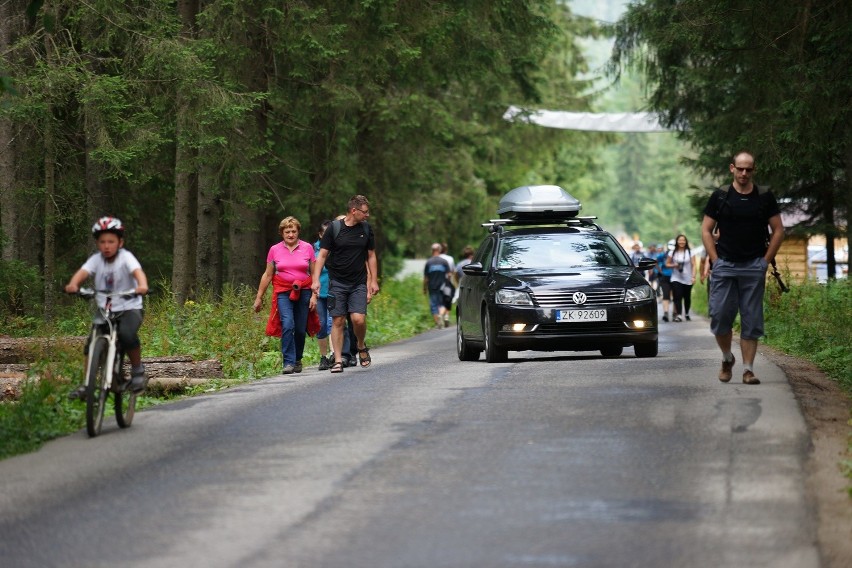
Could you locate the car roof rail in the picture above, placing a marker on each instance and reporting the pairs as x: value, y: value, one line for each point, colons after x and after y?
x: 497, y: 225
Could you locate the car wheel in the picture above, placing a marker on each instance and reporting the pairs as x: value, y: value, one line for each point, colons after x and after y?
x: 493, y: 354
x: 463, y: 348
x: 610, y: 351
x: 649, y: 349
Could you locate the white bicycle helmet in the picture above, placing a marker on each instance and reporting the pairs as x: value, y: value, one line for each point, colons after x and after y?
x: 108, y: 224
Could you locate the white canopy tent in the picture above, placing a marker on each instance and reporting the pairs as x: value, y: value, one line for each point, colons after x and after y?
x: 589, y: 121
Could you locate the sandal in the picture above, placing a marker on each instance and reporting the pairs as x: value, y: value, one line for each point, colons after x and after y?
x: 365, y: 359
x: 337, y: 367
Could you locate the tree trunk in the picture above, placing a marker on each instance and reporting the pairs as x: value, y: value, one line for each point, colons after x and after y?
x: 186, y: 199
x: 186, y: 180
x: 209, y: 236
x: 49, y: 194
x: 246, y: 257
x: 8, y: 209
x: 98, y: 201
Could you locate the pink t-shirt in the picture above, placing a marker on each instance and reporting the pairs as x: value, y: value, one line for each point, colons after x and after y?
x: 293, y: 266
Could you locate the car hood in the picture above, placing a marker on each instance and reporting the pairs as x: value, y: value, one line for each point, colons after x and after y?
x: 543, y: 280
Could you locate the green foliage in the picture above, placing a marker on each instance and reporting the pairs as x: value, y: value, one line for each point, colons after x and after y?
x: 813, y: 321
x: 42, y: 412
x: 20, y: 295
x: 772, y: 88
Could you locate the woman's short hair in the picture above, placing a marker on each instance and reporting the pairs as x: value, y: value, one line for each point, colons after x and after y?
x: 289, y: 222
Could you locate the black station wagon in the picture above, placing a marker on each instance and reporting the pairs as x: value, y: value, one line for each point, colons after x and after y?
x: 545, y: 279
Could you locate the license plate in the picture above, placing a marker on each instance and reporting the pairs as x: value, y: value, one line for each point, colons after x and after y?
x: 578, y: 316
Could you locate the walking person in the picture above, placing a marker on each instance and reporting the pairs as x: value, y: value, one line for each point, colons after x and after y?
x: 322, y: 307
x: 664, y: 277
x: 436, y: 276
x: 682, y: 278
x: 288, y: 269
x: 739, y: 260
x: 348, y: 250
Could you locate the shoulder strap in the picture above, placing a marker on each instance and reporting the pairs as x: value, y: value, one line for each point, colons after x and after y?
x: 335, y: 228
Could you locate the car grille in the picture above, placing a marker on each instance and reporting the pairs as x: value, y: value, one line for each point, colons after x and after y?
x: 597, y: 297
x: 582, y: 328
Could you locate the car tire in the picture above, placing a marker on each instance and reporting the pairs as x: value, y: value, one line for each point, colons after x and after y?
x: 649, y: 349
x: 611, y: 351
x: 493, y: 354
x: 463, y: 348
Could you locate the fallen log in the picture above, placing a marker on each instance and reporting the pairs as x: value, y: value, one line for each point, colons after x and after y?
x: 27, y: 349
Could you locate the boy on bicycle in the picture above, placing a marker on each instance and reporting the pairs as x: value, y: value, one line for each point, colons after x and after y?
x: 115, y: 268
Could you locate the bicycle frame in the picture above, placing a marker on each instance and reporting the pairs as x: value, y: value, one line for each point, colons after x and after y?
x: 104, y: 317
x: 104, y: 366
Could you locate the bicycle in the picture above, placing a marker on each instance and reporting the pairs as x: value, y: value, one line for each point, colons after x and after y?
x: 105, y: 371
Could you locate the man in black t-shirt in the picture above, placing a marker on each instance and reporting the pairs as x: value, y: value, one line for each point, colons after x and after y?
x: 347, y: 249
x: 739, y: 260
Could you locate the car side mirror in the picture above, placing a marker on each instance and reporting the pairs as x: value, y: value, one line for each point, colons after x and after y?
x: 472, y: 268
x: 646, y: 263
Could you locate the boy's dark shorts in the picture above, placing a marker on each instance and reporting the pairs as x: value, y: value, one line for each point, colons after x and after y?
x: 346, y: 298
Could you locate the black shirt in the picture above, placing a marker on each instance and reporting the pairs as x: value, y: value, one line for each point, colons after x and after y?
x: 742, y: 221
x: 436, y: 270
x: 347, y: 256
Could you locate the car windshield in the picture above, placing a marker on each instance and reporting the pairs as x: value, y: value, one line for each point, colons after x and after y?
x: 559, y: 250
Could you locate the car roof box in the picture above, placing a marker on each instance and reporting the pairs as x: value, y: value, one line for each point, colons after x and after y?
x: 538, y: 202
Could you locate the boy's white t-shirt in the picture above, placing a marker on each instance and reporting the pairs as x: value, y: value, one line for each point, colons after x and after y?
x: 115, y: 276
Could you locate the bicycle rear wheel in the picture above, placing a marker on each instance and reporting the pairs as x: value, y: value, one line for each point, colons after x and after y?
x: 96, y: 394
x: 124, y: 398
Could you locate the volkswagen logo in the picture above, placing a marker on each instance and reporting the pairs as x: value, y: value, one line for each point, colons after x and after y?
x: 579, y: 298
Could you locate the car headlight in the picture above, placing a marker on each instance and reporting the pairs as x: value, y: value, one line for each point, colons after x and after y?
x: 639, y: 293
x: 513, y: 298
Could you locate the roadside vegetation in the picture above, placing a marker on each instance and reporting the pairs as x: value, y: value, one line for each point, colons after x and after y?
x: 226, y: 329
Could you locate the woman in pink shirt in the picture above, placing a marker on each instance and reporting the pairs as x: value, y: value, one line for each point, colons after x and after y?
x: 288, y: 267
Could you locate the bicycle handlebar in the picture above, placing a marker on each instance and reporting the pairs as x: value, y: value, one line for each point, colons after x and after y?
x: 90, y: 293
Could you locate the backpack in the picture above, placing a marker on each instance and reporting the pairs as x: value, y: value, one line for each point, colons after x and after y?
x: 723, y: 199
x: 337, y: 224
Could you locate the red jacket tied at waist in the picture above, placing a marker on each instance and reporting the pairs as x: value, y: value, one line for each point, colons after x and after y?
x: 294, y: 289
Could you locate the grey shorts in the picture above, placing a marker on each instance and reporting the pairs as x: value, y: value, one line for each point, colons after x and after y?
x: 737, y: 287
x: 346, y: 298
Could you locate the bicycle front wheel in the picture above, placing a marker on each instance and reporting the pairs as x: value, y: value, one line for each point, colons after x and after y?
x: 95, y: 392
x: 124, y: 398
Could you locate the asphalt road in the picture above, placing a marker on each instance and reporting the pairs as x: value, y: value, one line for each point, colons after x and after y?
x: 551, y: 459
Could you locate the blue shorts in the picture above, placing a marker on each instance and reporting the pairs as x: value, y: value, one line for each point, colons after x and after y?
x: 737, y: 287
x: 436, y: 301
x: 346, y: 299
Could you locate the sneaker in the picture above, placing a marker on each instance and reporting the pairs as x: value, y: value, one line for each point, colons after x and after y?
x: 688, y: 318
x: 665, y: 317
x: 297, y: 368
x: 750, y: 379
x: 324, y: 363
x: 725, y: 373
x: 677, y: 318
x: 138, y: 382
x: 353, y: 361
x: 78, y: 394
x: 288, y: 369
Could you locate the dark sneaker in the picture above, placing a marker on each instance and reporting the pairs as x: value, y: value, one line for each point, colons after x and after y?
x: 297, y: 368
x: 288, y: 369
x: 324, y: 363
x: 78, y: 394
x: 725, y: 372
x: 666, y: 317
x: 137, y: 383
x: 750, y: 379
x: 688, y: 318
